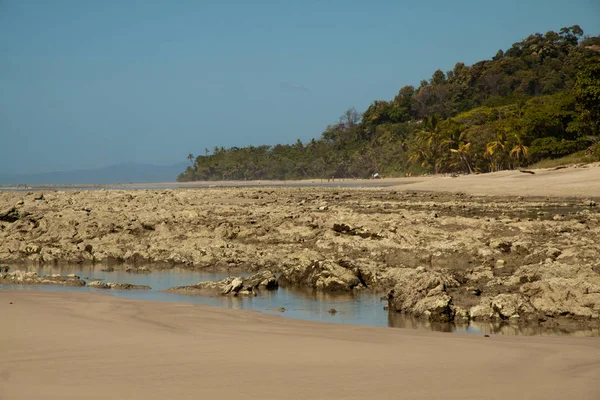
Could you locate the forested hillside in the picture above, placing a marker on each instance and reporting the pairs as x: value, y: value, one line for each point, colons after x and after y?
x: 539, y: 99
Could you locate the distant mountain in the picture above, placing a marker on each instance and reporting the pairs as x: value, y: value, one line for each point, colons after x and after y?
x: 120, y: 173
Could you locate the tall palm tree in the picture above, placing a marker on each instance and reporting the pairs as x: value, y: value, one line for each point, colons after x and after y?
x: 455, y: 142
x: 463, y: 152
x: 496, y: 151
x: 519, y: 150
x: 428, y: 147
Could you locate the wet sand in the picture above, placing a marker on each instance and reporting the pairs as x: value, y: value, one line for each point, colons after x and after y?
x: 95, y: 346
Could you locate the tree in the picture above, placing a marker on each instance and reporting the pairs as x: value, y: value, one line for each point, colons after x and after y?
x: 519, y: 151
x: 587, y: 97
x: 428, y: 148
x: 496, y: 151
x: 460, y: 149
x: 537, y: 99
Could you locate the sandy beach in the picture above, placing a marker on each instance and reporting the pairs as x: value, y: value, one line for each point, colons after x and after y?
x: 442, y: 256
x: 74, y: 346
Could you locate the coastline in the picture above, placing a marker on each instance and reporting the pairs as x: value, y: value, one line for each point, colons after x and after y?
x: 568, y: 181
x: 72, y: 345
x: 445, y: 257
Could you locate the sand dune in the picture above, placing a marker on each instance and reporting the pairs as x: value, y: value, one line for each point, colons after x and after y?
x: 58, y: 345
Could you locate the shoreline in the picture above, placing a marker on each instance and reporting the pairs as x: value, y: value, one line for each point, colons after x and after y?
x: 446, y: 257
x: 572, y: 181
x: 70, y: 345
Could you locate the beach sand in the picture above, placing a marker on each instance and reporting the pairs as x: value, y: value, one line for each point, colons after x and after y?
x: 61, y: 345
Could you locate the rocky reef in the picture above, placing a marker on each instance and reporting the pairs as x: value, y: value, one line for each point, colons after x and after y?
x: 32, y: 278
x: 438, y: 256
x: 232, y: 286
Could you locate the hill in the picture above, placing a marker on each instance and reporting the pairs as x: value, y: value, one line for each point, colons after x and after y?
x: 536, y: 100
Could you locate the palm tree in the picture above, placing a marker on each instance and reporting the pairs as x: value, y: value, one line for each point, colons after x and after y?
x: 191, y: 158
x: 428, y: 147
x: 495, y: 150
x: 455, y: 142
x: 519, y: 151
x: 463, y: 152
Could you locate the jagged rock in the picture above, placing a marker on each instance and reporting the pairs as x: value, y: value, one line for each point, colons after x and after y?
x: 98, y: 285
x: 32, y: 278
x: 559, y: 297
x: 502, y: 307
x: 232, y: 286
x: 360, y: 231
x: 322, y: 275
x: 261, y: 280
x: 10, y: 215
x: 117, y: 286
x: 502, y: 245
x: 423, y: 294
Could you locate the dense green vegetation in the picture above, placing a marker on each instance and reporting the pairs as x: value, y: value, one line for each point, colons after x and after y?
x: 538, y: 100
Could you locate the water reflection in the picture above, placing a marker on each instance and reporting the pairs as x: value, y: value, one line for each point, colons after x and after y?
x: 361, y: 308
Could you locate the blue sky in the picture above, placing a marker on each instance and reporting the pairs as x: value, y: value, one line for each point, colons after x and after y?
x: 85, y: 83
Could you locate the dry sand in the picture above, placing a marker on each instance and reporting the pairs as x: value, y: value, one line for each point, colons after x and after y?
x: 567, y: 182
x: 95, y: 346
x: 572, y: 181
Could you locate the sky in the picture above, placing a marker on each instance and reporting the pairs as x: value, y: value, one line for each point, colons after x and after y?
x: 86, y: 84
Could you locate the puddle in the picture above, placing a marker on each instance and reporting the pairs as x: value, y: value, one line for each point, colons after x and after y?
x: 361, y: 309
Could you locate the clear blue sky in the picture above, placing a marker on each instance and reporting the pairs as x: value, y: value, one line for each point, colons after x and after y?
x: 89, y: 83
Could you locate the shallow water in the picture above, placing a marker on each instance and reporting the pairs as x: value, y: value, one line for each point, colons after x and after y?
x: 361, y: 309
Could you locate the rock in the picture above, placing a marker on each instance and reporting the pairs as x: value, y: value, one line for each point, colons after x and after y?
x: 508, y: 306
x: 322, y: 275
x: 553, y: 252
x: 10, y: 215
x: 473, y: 291
x: 461, y: 315
x: 481, y: 311
x: 32, y: 278
x: 4, y: 269
x: 261, y: 280
x: 117, y: 286
x: 98, y: 285
x: 232, y: 286
x: 332, y: 311
x: 347, y: 230
x: 579, y: 297
x: 127, y: 286
x: 423, y: 294
x: 500, y: 264
x: 502, y: 307
x: 502, y: 245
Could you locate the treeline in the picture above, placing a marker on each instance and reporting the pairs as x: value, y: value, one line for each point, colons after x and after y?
x: 539, y: 99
